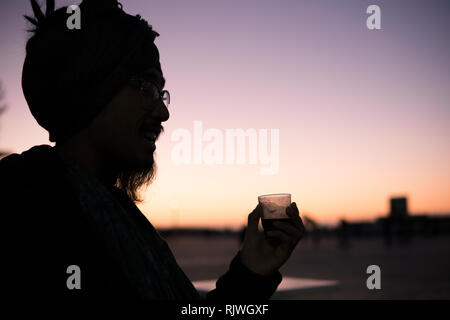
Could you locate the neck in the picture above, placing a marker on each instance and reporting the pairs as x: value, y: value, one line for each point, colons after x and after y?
x: 81, y: 150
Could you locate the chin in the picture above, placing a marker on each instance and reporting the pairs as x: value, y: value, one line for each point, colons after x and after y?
x: 144, y: 162
x: 148, y: 163
x: 135, y: 161
x: 139, y: 173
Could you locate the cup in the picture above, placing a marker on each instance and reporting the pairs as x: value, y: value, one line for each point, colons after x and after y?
x: 274, y: 209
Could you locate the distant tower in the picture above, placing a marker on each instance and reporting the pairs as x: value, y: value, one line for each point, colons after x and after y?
x: 399, y: 208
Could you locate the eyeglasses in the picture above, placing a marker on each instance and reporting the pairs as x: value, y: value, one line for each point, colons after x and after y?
x: 150, y: 91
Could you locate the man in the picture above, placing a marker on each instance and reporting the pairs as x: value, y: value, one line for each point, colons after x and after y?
x: 99, y: 92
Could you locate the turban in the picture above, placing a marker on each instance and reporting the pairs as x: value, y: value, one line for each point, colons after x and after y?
x: 69, y: 75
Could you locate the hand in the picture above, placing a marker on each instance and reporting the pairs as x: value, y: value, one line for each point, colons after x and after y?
x: 266, y: 253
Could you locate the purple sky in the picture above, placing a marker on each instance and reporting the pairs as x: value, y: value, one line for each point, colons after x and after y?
x: 362, y: 114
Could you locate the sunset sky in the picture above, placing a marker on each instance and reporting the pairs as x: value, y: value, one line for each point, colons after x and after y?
x: 362, y: 114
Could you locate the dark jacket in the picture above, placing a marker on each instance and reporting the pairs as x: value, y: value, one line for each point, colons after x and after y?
x: 43, y: 233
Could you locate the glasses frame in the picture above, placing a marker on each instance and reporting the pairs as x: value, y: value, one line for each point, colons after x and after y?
x: 149, y: 89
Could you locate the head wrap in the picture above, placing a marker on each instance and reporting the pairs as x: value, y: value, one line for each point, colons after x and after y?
x: 70, y: 75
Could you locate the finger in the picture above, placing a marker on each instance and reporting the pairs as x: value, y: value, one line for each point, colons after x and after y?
x: 294, y: 206
x: 292, y: 212
x: 292, y: 209
x: 288, y: 228
x: 253, y: 219
x: 280, y: 237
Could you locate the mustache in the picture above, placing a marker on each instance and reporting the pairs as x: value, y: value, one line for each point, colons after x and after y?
x: 155, y: 127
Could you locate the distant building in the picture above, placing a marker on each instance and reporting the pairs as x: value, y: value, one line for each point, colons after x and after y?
x: 399, y: 208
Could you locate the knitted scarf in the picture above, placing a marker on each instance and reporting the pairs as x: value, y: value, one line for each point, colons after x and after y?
x: 132, y: 241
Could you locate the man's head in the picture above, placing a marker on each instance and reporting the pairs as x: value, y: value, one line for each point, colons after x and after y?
x: 101, y: 84
x: 125, y: 131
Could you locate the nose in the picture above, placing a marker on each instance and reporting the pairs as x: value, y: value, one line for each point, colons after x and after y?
x: 161, y: 112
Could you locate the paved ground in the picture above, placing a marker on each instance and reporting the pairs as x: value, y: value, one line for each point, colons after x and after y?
x: 419, y: 270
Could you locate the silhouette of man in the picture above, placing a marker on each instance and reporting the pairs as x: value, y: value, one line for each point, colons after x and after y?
x: 98, y: 91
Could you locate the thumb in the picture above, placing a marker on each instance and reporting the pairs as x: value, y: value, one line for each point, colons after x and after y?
x: 253, y: 219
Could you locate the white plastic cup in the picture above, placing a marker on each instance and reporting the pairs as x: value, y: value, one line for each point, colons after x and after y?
x: 274, y: 208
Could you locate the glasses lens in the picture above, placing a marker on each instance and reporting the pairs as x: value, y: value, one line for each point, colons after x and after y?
x: 150, y: 90
x: 165, y: 97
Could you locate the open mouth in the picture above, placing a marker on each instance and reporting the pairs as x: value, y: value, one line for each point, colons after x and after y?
x: 150, y: 140
x: 150, y: 134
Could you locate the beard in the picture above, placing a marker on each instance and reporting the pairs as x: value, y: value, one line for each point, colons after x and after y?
x: 132, y: 180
